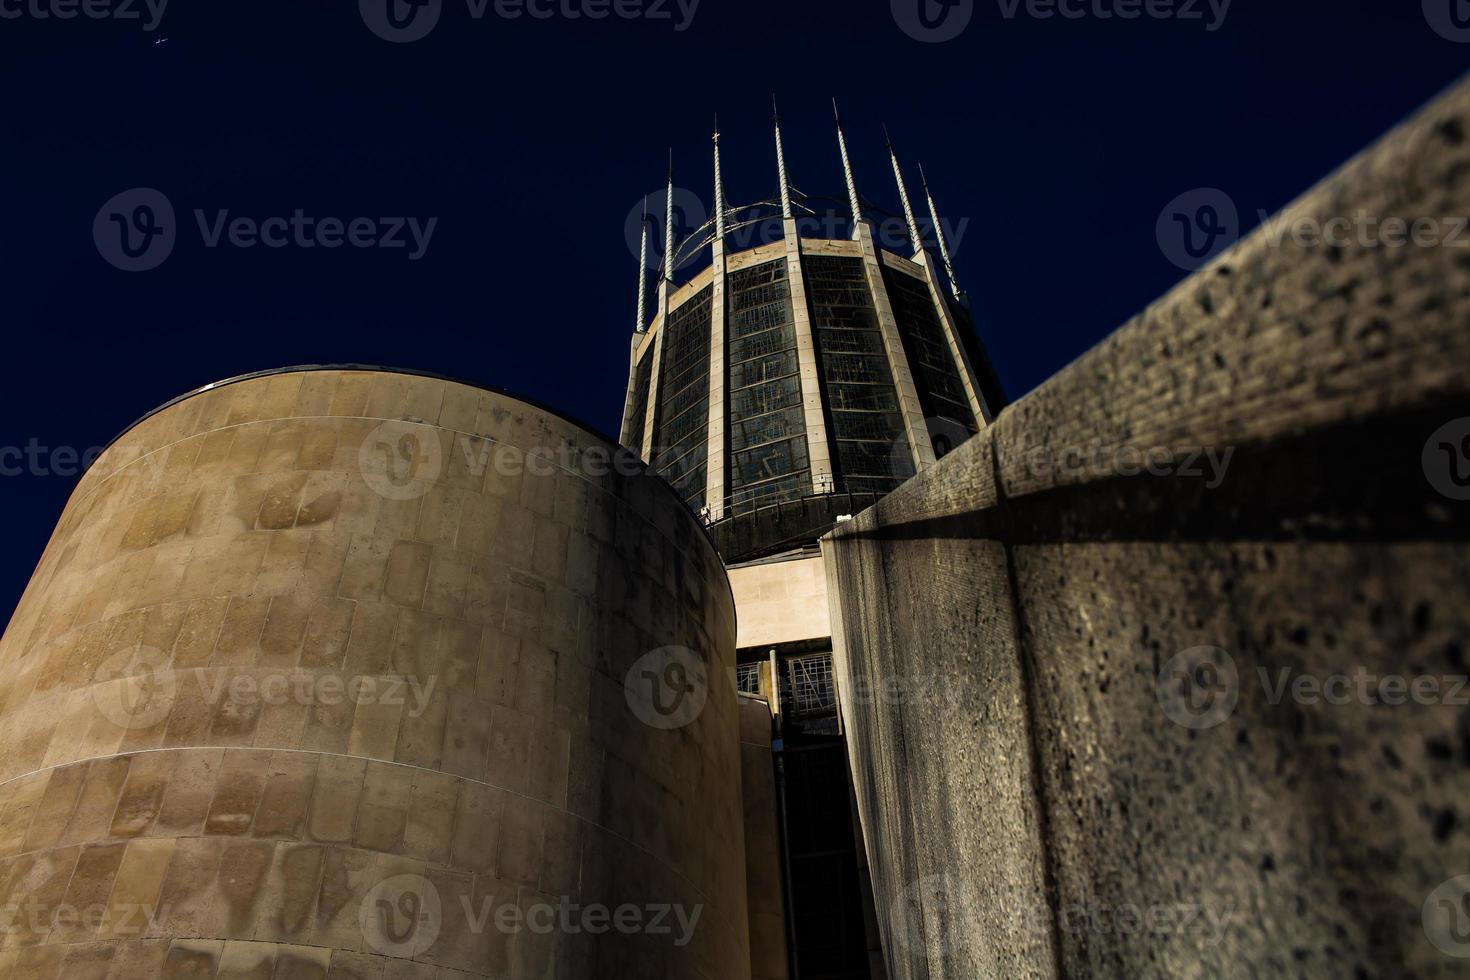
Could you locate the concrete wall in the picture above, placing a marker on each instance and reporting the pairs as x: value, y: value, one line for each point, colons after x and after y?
x: 1060, y: 673
x: 780, y: 602
x: 762, y: 843
x: 303, y: 676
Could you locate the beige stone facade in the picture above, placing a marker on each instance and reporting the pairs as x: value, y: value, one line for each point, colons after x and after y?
x: 364, y: 674
x: 781, y: 602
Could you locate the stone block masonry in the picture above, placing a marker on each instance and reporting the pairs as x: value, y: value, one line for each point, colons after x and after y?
x: 1115, y: 714
x: 325, y: 673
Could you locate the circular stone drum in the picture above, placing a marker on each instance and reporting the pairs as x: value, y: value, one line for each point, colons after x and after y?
x: 377, y: 675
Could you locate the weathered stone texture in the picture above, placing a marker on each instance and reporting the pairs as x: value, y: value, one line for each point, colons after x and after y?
x: 764, y: 886
x: 1042, y: 778
x: 182, y: 756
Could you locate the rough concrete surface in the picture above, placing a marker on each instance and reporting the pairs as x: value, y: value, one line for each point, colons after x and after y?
x: 1119, y: 784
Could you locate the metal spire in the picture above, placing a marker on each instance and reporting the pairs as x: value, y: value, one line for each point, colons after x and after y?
x: 719, y: 189
x: 954, y: 285
x: 781, y: 162
x: 669, y: 224
x: 903, y: 194
x: 643, y: 272
x: 852, y: 194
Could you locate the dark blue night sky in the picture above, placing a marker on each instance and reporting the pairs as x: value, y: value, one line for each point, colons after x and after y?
x: 1058, y: 141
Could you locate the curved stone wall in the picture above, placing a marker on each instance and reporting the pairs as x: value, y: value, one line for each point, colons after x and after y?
x: 377, y: 675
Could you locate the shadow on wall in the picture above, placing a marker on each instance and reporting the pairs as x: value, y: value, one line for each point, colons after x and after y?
x: 1164, y: 673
